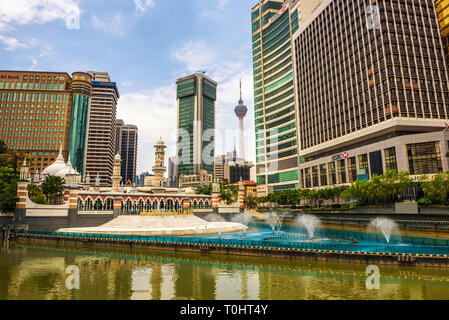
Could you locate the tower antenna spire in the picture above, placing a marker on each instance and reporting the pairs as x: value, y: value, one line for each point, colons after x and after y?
x: 240, y: 89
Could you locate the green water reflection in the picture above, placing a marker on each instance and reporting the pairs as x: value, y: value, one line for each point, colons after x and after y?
x: 37, y: 271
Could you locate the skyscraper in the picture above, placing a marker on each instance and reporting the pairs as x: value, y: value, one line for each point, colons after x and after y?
x: 240, y: 111
x: 172, y: 171
x: 196, y: 95
x: 372, y: 91
x: 42, y: 111
x: 102, y: 130
x: 118, y: 135
x: 128, y: 152
x: 442, y: 7
x: 273, y: 24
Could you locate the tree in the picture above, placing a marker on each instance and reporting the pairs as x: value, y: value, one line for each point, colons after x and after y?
x: 36, y: 195
x: 8, y: 189
x: 437, y: 189
x: 204, y: 189
x: 3, y: 147
x: 53, y: 188
x: 250, y: 202
x: 229, y: 193
x: 12, y: 158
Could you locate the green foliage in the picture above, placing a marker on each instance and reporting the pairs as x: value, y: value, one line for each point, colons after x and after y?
x: 250, y: 202
x: 294, y: 197
x: 36, y: 195
x: 12, y: 158
x: 8, y: 197
x: 8, y: 189
x: 3, y: 147
x: 381, y: 189
x: 425, y: 201
x: 204, y: 189
x: 53, y: 188
x: 447, y: 154
x: 229, y: 193
x: 437, y: 189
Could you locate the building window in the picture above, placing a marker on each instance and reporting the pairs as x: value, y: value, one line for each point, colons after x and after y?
x: 424, y: 158
x: 331, y: 169
x: 307, y: 177
x: 341, y: 171
x: 390, y: 159
x: 363, y: 164
x: 315, y: 176
x: 352, y: 169
x: 323, y: 175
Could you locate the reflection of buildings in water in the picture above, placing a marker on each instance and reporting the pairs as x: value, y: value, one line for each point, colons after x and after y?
x: 233, y: 284
x: 194, y: 282
x: 104, y: 278
x: 32, y: 276
x: 153, y: 281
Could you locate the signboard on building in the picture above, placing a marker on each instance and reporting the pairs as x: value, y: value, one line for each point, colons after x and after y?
x: 341, y: 156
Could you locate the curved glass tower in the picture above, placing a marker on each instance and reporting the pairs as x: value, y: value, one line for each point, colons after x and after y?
x: 79, y: 124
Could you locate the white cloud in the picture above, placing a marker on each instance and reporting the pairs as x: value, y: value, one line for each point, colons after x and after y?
x: 12, y: 43
x: 21, y: 12
x: 195, y: 55
x: 143, y: 5
x: 115, y: 25
x: 222, y: 4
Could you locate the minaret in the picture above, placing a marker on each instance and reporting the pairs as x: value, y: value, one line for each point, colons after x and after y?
x: 159, y: 167
x: 241, y: 111
x: 116, y: 175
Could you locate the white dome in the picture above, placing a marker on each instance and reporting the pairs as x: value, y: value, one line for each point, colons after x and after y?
x: 68, y: 169
x: 117, y: 157
x: 56, y: 167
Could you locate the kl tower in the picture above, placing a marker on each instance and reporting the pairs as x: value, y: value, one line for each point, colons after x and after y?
x: 241, y: 111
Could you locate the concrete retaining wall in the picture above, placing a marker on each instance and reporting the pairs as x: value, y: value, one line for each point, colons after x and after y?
x: 435, y: 261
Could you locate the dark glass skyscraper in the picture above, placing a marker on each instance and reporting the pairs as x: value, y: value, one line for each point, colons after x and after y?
x: 196, y: 95
x: 128, y: 152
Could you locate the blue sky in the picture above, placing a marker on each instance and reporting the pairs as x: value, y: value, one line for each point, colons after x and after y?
x: 145, y: 45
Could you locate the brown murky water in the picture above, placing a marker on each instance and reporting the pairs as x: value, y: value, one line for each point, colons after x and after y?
x: 38, y: 271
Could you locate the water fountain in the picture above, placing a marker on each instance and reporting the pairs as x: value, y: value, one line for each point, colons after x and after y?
x: 308, y: 221
x: 243, y: 218
x: 386, y: 226
x: 274, y: 221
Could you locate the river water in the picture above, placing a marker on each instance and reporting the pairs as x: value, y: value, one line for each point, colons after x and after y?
x: 38, y: 271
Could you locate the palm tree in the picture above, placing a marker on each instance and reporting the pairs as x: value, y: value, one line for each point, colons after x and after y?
x: 53, y: 188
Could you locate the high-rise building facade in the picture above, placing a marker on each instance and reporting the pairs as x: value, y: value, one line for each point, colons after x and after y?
x: 443, y: 18
x: 273, y: 24
x: 102, y: 130
x: 196, y: 95
x: 42, y: 111
x: 172, y: 171
x: 118, y: 135
x: 128, y: 153
x: 372, y: 91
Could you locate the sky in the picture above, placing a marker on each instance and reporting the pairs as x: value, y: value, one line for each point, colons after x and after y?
x: 145, y: 45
